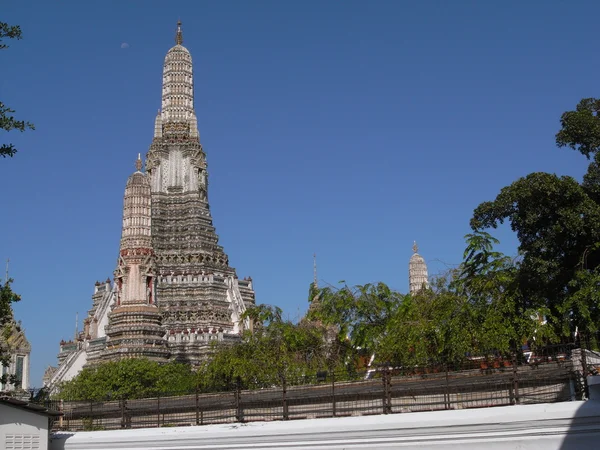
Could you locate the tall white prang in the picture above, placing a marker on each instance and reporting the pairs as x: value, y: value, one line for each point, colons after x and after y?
x: 418, y: 278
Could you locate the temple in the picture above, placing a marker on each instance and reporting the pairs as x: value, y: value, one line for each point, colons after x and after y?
x: 17, y: 348
x: 418, y: 278
x: 174, y: 292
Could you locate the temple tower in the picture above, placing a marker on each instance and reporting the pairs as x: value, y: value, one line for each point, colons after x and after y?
x: 134, y: 324
x: 174, y: 291
x: 199, y: 294
x: 417, y: 272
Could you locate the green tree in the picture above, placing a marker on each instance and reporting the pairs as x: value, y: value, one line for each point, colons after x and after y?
x: 129, y: 379
x: 557, y: 222
x: 7, y: 120
x: 277, y: 351
x: 580, y: 129
x: 360, y: 313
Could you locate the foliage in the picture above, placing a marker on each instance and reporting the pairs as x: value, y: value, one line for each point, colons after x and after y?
x: 276, y: 351
x: 557, y: 222
x: 581, y: 128
x: 7, y: 298
x: 360, y: 313
x: 128, y: 378
x: 475, y: 309
x: 7, y: 121
x: 398, y: 329
x: 431, y: 327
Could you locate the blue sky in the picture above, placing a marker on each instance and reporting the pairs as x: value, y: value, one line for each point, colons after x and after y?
x: 345, y: 128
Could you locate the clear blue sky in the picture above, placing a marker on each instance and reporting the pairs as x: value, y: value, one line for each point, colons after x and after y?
x: 345, y: 128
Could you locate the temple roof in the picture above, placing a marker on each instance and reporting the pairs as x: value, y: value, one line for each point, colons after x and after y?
x: 16, y: 339
x: 31, y: 407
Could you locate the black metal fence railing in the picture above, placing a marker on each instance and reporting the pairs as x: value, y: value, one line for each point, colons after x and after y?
x: 385, y: 390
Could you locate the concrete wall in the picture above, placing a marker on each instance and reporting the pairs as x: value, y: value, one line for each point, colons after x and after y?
x: 544, y: 426
x: 21, y: 429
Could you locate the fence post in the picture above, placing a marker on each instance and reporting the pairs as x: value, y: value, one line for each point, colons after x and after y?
x: 286, y: 415
x: 158, y: 410
x: 197, y: 407
x: 333, y: 405
x: 387, y: 395
x: 122, y: 405
x: 239, y: 412
x: 515, y: 382
x: 61, y: 409
x: 584, y: 367
x: 125, y: 419
x: 447, y: 391
x: 91, y: 415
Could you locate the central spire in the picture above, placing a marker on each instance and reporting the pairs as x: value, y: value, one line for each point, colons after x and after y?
x: 179, y: 35
x: 177, y: 117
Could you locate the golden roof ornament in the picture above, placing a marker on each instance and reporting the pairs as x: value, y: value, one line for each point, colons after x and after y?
x: 138, y: 163
x: 179, y: 35
x: 415, y: 247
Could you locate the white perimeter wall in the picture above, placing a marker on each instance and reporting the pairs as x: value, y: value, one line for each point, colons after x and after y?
x: 565, y: 425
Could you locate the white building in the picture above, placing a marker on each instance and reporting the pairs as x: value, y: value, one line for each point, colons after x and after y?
x: 24, y: 426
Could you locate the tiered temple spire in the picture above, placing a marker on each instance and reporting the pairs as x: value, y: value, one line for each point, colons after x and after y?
x: 174, y: 292
x: 134, y: 327
x: 200, y: 296
x: 418, y: 278
x: 178, y: 90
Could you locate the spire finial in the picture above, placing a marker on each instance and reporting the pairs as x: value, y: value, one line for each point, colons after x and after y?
x: 179, y: 35
x: 415, y: 247
x: 138, y: 163
x: 315, y: 271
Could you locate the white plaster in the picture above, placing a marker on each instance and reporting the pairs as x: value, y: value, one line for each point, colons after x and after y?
x: 234, y: 296
x: 75, y: 362
x: 544, y: 426
x: 104, y: 308
x: 19, y: 425
x: 69, y: 369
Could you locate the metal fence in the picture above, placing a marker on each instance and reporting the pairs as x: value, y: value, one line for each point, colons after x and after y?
x: 385, y: 390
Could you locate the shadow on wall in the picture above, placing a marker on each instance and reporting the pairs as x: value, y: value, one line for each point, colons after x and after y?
x: 584, y: 430
x: 58, y: 440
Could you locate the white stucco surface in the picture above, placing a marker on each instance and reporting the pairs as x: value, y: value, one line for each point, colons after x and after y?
x: 544, y: 426
x: 21, y: 429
